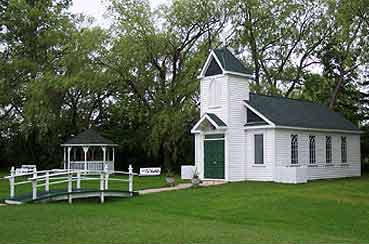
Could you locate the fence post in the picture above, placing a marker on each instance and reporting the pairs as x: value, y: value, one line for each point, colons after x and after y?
x: 130, y: 178
x: 47, y: 182
x: 12, y: 182
x: 79, y: 180
x: 34, y: 185
x: 102, y: 186
x: 34, y: 189
x: 34, y: 173
x: 106, y: 177
x: 70, y: 175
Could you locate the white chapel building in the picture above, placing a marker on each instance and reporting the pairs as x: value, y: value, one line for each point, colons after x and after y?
x: 245, y: 136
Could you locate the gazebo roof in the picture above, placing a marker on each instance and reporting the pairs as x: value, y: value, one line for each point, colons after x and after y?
x: 89, y: 137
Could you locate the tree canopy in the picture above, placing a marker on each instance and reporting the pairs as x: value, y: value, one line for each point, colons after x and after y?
x: 137, y: 81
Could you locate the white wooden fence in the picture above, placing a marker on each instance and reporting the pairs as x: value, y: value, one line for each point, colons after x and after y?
x: 47, y: 178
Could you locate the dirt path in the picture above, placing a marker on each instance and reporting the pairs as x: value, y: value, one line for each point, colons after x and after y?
x: 180, y: 187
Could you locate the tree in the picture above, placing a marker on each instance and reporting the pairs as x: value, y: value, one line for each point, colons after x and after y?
x: 156, y: 57
x: 281, y: 39
x: 46, y: 65
x: 345, y: 53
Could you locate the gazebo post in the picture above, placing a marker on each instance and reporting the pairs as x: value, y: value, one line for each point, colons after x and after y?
x: 85, y: 149
x: 104, y: 156
x: 113, y: 155
x: 65, y: 157
x: 69, y: 149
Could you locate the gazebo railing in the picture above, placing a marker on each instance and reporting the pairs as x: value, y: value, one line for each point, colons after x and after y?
x: 91, y: 165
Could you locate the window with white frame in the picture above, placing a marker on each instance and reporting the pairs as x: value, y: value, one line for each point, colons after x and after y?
x: 294, y: 149
x: 328, y: 149
x: 259, y: 149
x: 312, y: 152
x: 343, y: 149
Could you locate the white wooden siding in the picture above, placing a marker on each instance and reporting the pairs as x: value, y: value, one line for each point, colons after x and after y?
x: 199, y: 154
x: 238, y: 90
x: 221, y: 108
x: 236, y: 158
x: 321, y: 170
x: 259, y: 172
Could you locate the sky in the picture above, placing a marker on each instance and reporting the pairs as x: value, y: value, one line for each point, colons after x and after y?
x: 97, y: 8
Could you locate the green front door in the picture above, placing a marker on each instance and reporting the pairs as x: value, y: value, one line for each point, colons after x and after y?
x: 214, y: 159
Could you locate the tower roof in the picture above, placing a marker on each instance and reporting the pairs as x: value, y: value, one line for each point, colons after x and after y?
x: 229, y: 62
x: 223, y: 61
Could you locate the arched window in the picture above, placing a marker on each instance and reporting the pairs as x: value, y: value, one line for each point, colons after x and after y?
x: 328, y: 149
x: 294, y: 149
x: 212, y: 93
x: 312, y: 150
x: 343, y: 149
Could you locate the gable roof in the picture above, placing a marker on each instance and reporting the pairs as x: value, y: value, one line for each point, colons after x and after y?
x: 217, y: 120
x: 213, y: 119
x: 229, y: 62
x: 298, y: 113
x: 88, y: 137
x: 213, y: 68
x: 222, y: 61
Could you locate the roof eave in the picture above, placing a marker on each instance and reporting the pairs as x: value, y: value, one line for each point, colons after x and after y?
x: 88, y: 144
x: 251, y: 77
x: 358, y: 132
x: 206, y: 116
x: 320, y: 129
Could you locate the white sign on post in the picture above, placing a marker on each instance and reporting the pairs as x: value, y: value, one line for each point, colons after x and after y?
x: 187, y: 172
x: 150, y: 171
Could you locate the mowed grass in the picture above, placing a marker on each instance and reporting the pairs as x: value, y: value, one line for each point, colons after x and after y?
x: 327, y: 211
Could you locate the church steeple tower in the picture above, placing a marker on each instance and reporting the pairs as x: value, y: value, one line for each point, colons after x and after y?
x: 224, y: 82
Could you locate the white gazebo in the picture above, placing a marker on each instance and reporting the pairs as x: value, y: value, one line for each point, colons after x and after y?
x: 89, y: 151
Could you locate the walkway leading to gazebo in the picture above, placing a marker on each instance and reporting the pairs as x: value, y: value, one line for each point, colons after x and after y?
x: 89, y: 151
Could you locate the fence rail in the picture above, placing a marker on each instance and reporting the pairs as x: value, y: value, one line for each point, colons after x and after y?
x: 47, y: 178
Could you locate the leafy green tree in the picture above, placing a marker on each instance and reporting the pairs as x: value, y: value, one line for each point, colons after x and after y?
x: 281, y: 38
x: 31, y: 40
x: 156, y: 57
x: 51, y: 86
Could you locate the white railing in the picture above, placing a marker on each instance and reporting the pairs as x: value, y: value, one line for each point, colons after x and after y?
x: 299, y: 173
x: 91, y: 165
x: 47, y: 178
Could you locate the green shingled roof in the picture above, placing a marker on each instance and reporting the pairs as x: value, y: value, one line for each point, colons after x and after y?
x: 298, y: 113
x: 216, y: 119
x: 229, y: 62
x: 89, y: 136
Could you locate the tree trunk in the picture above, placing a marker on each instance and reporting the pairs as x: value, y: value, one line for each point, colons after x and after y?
x: 166, y: 157
x: 334, y: 94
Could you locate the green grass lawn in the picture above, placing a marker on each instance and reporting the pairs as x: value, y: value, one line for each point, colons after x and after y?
x: 328, y: 211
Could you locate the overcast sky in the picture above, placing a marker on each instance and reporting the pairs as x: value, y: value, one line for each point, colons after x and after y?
x: 97, y: 8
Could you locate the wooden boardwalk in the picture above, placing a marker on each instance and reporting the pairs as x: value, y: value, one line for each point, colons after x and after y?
x: 41, y: 181
x: 62, y: 194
